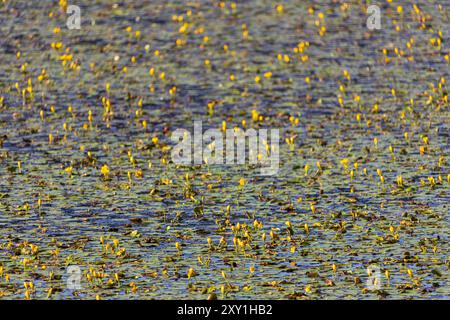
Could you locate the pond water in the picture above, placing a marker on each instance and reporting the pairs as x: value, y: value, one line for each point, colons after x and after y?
x: 87, y: 179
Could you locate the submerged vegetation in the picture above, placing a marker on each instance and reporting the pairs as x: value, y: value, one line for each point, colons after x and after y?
x: 86, y: 177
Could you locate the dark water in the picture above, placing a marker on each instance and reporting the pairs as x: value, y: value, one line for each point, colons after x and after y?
x: 354, y: 222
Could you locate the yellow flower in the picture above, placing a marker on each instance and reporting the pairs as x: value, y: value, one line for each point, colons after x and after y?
x: 410, y: 273
x: 279, y: 8
x: 400, y: 181
x: 105, y: 170
x: 344, y: 163
x: 190, y: 273
x: 306, y: 169
x: 210, y: 242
